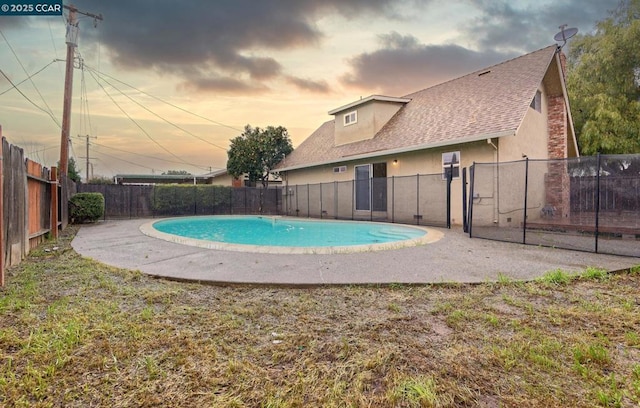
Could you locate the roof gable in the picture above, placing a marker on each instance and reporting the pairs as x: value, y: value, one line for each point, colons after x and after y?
x: 487, y: 103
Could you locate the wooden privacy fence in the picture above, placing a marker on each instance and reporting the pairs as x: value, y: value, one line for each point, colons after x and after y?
x: 34, y: 204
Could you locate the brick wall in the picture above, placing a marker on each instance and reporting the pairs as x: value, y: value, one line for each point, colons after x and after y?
x: 557, y: 180
x: 557, y: 127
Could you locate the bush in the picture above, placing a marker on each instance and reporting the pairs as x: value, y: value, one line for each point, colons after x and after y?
x: 86, y: 207
x: 183, y: 199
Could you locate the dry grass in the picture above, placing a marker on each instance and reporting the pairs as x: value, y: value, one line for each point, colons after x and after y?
x: 74, y: 332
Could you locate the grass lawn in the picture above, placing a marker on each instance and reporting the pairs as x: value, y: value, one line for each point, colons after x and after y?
x: 77, y: 333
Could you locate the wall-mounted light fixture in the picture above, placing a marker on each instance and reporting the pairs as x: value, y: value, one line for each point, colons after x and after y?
x: 395, y: 161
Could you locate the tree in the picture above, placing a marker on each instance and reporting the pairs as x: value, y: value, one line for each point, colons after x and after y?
x: 72, y: 172
x: 257, y: 151
x: 604, y: 83
x: 101, y: 180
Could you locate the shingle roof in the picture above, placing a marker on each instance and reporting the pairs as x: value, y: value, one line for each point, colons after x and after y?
x: 487, y: 103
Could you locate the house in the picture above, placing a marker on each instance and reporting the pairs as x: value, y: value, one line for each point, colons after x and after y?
x: 218, y: 177
x: 518, y: 108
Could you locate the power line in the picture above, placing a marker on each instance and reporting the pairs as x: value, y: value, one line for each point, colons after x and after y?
x: 27, y: 98
x: 147, y: 156
x: 161, y: 118
x: 126, y: 161
x: 136, y: 123
x: 168, y: 103
x: 32, y: 83
x: 28, y: 78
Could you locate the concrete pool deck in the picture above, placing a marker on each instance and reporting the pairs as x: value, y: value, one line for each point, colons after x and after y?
x: 453, y: 258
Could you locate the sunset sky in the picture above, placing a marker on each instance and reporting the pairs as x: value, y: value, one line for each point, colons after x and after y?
x: 167, y: 84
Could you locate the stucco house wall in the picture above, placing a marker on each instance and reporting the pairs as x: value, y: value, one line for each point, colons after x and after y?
x: 492, y: 115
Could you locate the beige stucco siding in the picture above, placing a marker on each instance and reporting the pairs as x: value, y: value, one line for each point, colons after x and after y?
x: 224, y: 180
x: 531, y: 137
x: 371, y: 117
x: 408, y: 164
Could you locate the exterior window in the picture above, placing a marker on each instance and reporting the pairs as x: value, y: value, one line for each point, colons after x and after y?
x: 536, y: 103
x: 371, y: 187
x: 451, y: 160
x: 350, y: 118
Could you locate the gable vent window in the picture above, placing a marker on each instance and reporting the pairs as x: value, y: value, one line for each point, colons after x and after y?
x: 340, y: 169
x: 350, y: 118
x: 536, y: 103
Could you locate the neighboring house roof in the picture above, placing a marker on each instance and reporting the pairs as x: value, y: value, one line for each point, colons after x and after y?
x: 215, y: 173
x: 488, y: 103
x: 154, y: 178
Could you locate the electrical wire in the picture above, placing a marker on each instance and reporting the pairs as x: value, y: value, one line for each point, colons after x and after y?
x: 126, y: 161
x: 28, y: 78
x: 32, y: 83
x: 165, y: 102
x: 149, y: 157
x: 30, y: 101
x: 136, y: 123
x: 163, y: 119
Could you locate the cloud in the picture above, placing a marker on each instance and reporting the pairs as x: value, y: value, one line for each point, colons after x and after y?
x: 402, y: 65
x: 223, y: 85
x: 231, y: 37
x: 517, y: 27
x: 309, y: 84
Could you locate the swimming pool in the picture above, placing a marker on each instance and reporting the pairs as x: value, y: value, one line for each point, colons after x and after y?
x: 286, y: 235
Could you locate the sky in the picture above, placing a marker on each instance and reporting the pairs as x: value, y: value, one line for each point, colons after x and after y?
x: 165, y: 85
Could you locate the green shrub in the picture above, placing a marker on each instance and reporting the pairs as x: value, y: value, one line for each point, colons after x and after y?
x: 181, y: 199
x: 86, y: 207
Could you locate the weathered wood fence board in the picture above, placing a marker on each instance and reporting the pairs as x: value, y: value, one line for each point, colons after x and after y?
x: 32, y: 201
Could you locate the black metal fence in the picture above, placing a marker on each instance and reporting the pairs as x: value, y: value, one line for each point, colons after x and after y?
x: 422, y: 199
x: 587, y: 203
x: 419, y: 199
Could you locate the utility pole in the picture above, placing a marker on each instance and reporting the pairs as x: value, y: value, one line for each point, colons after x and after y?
x: 87, y: 157
x: 72, y: 43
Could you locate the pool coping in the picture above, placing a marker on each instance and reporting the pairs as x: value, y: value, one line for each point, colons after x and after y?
x: 454, y: 258
x: 431, y: 236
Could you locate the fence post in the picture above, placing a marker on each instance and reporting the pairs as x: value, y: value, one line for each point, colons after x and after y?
x: 371, y: 198
x: 393, y: 199
x: 597, y: 201
x: 53, y: 176
x: 418, y: 199
x: 472, y: 171
x: 308, y: 201
x: 465, y: 225
x: 526, y: 187
x: 449, y: 179
x: 353, y: 199
x: 336, y: 202
x: 195, y: 199
x: 320, y: 200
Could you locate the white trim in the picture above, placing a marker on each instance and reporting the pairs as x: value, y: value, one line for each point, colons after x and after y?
x: 380, y: 98
x: 350, y: 118
x: 407, y: 149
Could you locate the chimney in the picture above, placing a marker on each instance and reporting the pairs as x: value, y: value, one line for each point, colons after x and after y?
x: 563, y: 63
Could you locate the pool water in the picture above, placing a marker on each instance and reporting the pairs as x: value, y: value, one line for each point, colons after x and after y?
x: 286, y: 232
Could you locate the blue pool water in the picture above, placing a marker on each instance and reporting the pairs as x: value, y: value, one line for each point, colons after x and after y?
x: 276, y: 231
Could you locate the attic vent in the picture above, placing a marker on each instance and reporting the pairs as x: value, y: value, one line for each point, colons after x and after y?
x: 484, y: 73
x: 340, y: 169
